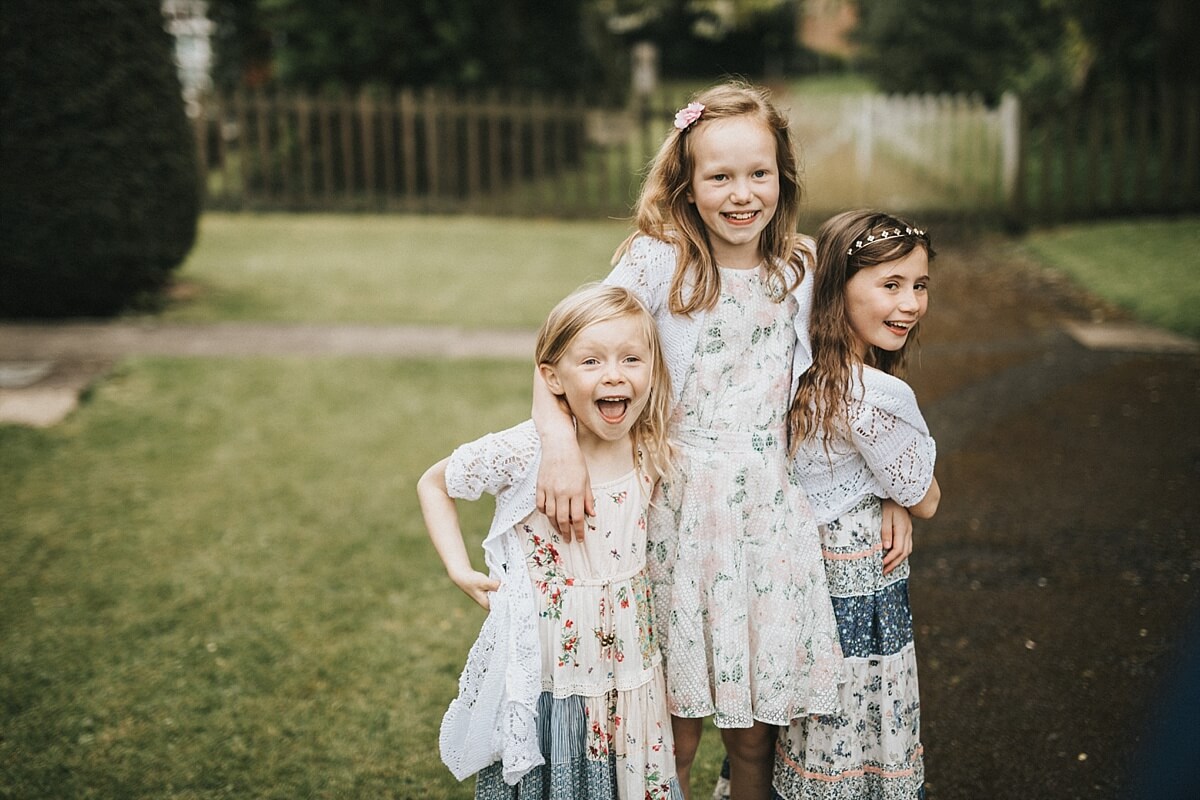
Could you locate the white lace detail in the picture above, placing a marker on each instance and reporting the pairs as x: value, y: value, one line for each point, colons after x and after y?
x: 503, y: 464
x: 646, y: 270
x: 493, y: 717
x: 892, y: 454
x: 467, y: 736
x: 517, y: 734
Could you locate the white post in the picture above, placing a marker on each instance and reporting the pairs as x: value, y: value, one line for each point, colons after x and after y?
x: 1010, y: 132
x: 866, y: 135
x: 644, y: 72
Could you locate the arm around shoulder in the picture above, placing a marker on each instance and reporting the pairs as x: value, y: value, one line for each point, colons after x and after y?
x: 563, y: 485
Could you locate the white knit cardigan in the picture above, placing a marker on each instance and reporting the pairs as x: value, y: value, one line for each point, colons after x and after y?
x: 646, y: 270
x: 494, y: 717
x: 891, y: 453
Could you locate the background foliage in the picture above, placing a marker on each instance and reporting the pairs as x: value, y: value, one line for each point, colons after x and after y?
x: 461, y: 43
x: 1045, y: 49
x: 99, y: 199
x: 561, y: 46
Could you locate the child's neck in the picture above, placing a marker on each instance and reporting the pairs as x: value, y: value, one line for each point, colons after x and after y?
x: 606, y: 460
x: 738, y: 258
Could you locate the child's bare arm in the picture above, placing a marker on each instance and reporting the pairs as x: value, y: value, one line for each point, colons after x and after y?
x: 896, y: 535
x: 927, y: 506
x: 897, y: 525
x: 563, y: 486
x: 441, y: 520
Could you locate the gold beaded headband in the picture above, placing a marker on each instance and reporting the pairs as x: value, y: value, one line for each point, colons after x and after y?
x: 886, y: 233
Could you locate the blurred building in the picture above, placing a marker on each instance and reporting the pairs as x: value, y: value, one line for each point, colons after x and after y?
x: 825, y: 26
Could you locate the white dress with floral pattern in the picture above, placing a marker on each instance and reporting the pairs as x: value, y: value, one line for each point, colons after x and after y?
x: 602, y: 717
x: 746, y: 623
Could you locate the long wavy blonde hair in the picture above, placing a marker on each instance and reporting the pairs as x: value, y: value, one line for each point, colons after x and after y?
x: 592, y: 304
x: 663, y: 210
x: 822, y: 401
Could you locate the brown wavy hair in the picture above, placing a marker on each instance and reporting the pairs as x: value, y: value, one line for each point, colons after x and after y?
x: 663, y: 210
x: 822, y: 399
x: 595, y: 303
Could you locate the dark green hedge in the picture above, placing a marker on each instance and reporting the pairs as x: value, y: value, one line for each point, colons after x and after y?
x: 99, y: 195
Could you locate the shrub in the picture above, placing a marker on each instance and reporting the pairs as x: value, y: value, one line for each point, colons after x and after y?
x: 100, y: 197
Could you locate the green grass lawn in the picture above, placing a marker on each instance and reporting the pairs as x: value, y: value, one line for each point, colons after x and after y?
x: 1149, y: 267
x: 470, y: 271
x: 216, y: 583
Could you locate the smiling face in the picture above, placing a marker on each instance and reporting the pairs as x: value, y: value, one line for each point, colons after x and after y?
x: 885, y: 302
x: 735, y: 186
x: 604, y: 374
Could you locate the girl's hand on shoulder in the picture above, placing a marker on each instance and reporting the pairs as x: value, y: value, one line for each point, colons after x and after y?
x: 896, y: 535
x: 564, y: 490
x: 476, y: 586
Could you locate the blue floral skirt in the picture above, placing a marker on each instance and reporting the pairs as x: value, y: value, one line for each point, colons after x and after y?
x: 585, y: 760
x: 872, y: 749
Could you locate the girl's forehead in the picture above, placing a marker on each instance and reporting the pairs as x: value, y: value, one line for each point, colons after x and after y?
x: 741, y: 126
x: 734, y: 139
x: 616, y: 330
x: 915, y: 263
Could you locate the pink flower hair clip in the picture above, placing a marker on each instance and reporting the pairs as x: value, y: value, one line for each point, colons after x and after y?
x: 687, y: 116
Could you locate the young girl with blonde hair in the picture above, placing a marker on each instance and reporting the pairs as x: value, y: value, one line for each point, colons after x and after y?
x: 859, y: 438
x: 563, y: 695
x: 747, y: 625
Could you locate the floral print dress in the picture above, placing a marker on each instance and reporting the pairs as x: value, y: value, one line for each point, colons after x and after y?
x: 602, y: 717
x: 747, y: 625
x: 872, y: 749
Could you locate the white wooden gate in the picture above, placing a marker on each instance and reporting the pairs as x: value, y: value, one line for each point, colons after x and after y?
x: 913, y: 154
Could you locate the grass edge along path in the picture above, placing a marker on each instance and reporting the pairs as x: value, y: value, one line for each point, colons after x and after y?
x: 1149, y: 267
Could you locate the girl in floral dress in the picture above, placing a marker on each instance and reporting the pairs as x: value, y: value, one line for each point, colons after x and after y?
x: 746, y: 621
x: 563, y: 695
x: 859, y: 437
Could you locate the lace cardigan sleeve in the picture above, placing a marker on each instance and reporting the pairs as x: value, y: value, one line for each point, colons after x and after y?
x: 646, y: 269
x: 893, y: 438
x: 491, y: 463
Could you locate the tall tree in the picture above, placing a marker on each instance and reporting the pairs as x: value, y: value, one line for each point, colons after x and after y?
x: 99, y: 199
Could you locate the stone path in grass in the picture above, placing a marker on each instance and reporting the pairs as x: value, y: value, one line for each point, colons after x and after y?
x: 44, y: 367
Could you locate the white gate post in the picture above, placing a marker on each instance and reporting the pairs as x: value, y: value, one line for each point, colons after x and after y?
x: 866, y: 135
x: 1010, y: 145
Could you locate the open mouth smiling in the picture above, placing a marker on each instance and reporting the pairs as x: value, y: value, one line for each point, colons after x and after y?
x: 612, y: 409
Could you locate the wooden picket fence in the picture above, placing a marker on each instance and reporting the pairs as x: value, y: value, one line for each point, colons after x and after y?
x: 1125, y: 152
x: 432, y: 151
